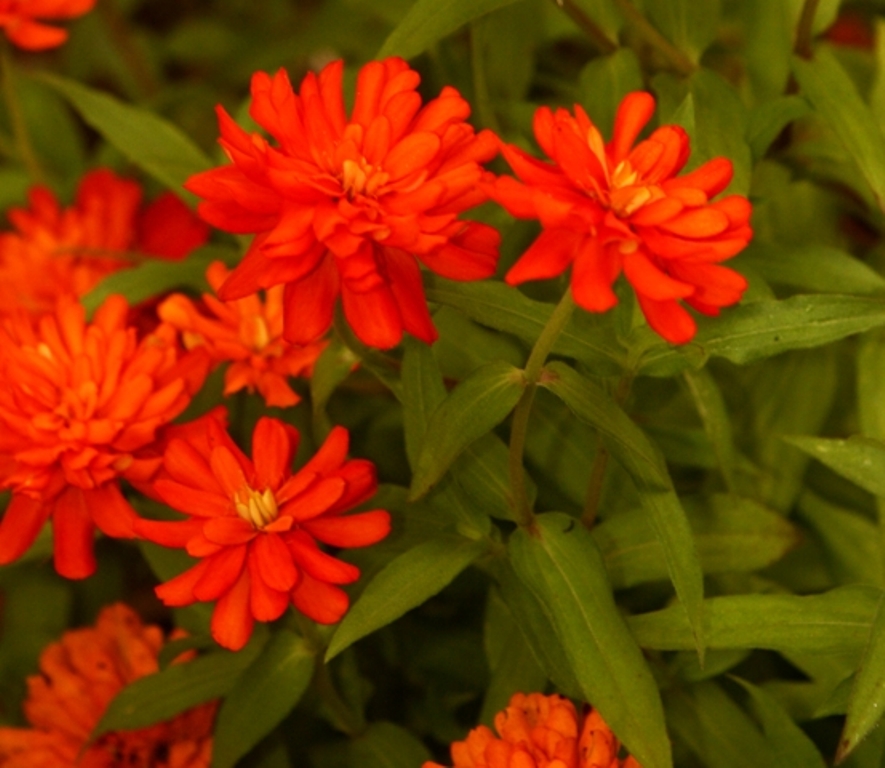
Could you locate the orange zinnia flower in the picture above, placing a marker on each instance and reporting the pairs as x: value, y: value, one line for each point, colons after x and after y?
x: 80, y: 407
x: 247, y: 333
x: 79, y: 676
x: 608, y: 208
x: 18, y: 19
x: 256, y: 525
x: 537, y: 731
x: 55, y: 251
x: 345, y: 205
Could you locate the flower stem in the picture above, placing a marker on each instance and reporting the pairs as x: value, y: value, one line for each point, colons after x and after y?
x: 589, y: 27
x: 17, y: 119
x: 538, y: 356
x: 805, y: 29
x: 676, y: 58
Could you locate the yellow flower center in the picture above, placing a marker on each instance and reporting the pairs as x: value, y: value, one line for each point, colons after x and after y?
x: 256, y: 508
x: 360, y: 178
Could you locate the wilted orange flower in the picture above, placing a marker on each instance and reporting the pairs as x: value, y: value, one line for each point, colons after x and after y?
x: 248, y: 334
x: 55, y: 251
x: 537, y: 731
x: 608, y: 208
x: 80, y: 407
x: 256, y: 525
x: 348, y: 206
x: 19, y: 20
x: 79, y: 676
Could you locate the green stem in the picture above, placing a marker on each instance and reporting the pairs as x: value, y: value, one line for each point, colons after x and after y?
x: 676, y: 58
x: 600, y: 462
x: 17, y: 119
x: 518, y: 430
x: 589, y: 27
x: 805, y: 29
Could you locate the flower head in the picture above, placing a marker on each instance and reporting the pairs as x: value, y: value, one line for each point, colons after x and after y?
x: 80, y: 407
x: 537, y: 731
x: 255, y: 525
x: 345, y: 205
x: 79, y: 676
x: 247, y: 333
x: 21, y: 20
x: 54, y: 251
x: 608, y: 208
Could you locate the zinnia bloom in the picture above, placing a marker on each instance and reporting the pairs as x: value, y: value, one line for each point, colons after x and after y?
x: 54, y: 251
x: 537, y: 731
x: 19, y: 20
x: 79, y: 676
x: 344, y: 206
x: 255, y: 525
x: 80, y: 407
x: 247, y: 333
x: 608, y: 208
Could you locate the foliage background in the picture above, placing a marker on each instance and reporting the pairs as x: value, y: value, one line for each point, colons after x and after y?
x: 749, y: 464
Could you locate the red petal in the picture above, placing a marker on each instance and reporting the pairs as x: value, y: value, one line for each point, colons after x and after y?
x: 309, y: 304
x: 232, y: 621
x: 274, y: 444
x: 72, y: 530
x: 271, y: 560
x: 313, y: 561
x: 221, y: 576
x: 319, y: 601
x: 593, y: 273
x: 374, y: 316
x: 21, y: 523
x: 169, y: 534
x: 548, y: 256
x: 179, y: 591
x: 331, y: 454
x: 110, y: 511
x: 408, y: 291
x: 633, y: 114
x: 316, y: 500
x: 192, y: 501
x: 668, y: 319
x: 228, y: 531
x: 351, y: 531
x: 265, y: 602
x: 649, y: 280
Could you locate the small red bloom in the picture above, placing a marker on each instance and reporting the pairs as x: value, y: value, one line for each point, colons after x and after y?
x: 19, y: 20
x: 256, y: 525
x: 345, y: 206
x: 247, y: 333
x: 80, y: 407
x: 608, y: 208
x: 537, y: 731
x: 55, y: 251
x: 79, y: 676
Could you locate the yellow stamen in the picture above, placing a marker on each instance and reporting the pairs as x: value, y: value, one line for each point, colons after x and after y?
x: 257, y: 508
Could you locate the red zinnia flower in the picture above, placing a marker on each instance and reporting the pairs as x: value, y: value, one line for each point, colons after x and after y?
x: 344, y: 206
x: 614, y: 207
x: 256, y: 525
x: 248, y: 334
x: 537, y: 731
x: 55, y: 251
x: 79, y: 676
x: 80, y: 406
x: 18, y: 19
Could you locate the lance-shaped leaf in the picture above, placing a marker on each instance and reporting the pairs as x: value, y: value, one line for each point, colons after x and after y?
x: 386, y: 745
x: 405, y: 583
x: 604, y: 82
x: 867, y: 702
x: 429, y: 20
x: 714, y: 416
x: 161, y: 696
x: 767, y: 120
x: 860, y: 459
x: 475, y: 407
x: 559, y: 562
x: 423, y: 391
x: 149, y: 141
x: 834, y: 622
x: 264, y: 694
x: 833, y: 95
x: 643, y: 461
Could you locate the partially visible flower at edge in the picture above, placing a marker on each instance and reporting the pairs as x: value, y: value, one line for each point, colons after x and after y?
x: 247, y: 333
x: 79, y: 676
x: 608, y: 208
x: 538, y: 731
x: 255, y: 525
x: 349, y: 205
x: 21, y: 21
x: 81, y: 405
x: 54, y: 250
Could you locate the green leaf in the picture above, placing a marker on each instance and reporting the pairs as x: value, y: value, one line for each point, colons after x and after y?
x: 860, y: 459
x: 386, y: 745
x: 833, y: 622
x: 717, y: 424
x: 870, y: 375
x: 423, y: 391
x: 149, y: 141
x: 477, y: 405
x: 766, y: 328
x: 691, y: 25
x: 833, y: 95
x: 333, y: 366
x: 732, y: 535
x: 560, y: 564
x: 430, y: 20
x: 264, y: 694
x: 770, y: 118
x: 643, y: 462
x: 604, y: 82
x: 177, y: 688
x: 405, y: 583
